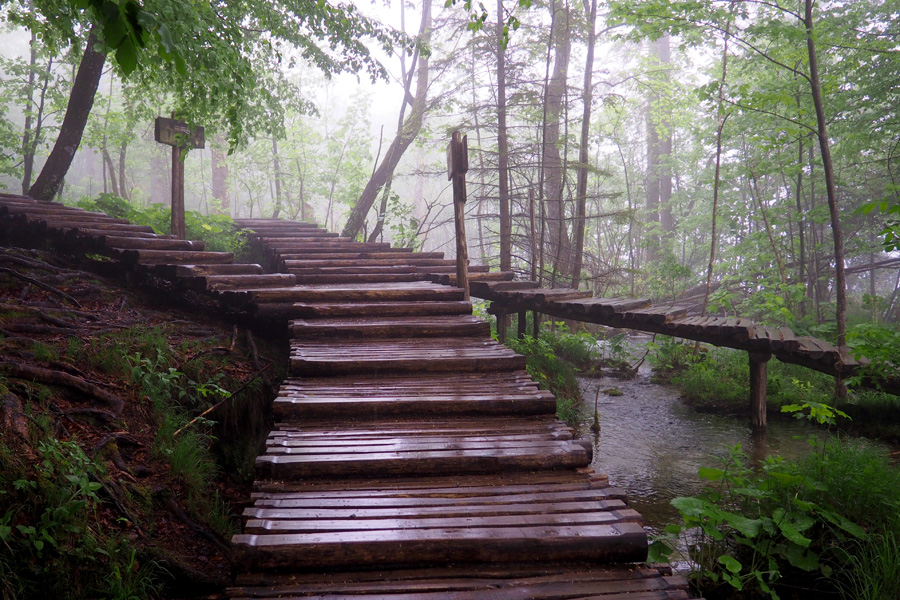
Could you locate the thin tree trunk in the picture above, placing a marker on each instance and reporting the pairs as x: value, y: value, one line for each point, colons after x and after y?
x: 81, y: 100
x: 587, y: 98
x: 27, y: 146
x: 722, y: 117
x: 122, y: 151
x: 219, y: 174
x: 840, y: 282
x: 560, y: 244
x: 503, y: 149
x: 276, y: 163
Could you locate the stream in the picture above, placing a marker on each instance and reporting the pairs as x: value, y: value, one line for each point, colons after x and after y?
x: 652, y: 445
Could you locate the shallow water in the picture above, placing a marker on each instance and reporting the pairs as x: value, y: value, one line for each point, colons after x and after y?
x: 652, y: 445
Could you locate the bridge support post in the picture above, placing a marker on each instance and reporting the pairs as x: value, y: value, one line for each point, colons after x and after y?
x: 522, y: 322
x: 758, y: 371
x: 502, y: 326
x: 536, y: 330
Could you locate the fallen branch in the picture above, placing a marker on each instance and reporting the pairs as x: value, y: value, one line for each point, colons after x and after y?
x: 41, y: 285
x: 221, y: 402
x: 24, y: 371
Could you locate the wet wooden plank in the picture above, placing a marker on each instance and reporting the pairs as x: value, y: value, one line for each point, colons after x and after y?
x: 149, y: 243
x: 506, y: 582
x: 623, y: 542
x: 383, y: 309
x: 398, y: 355
x: 402, y: 326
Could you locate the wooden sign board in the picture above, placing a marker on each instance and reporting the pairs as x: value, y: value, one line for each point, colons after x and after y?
x: 173, y: 132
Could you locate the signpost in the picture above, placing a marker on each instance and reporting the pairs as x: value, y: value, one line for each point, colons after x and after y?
x: 457, y: 166
x: 179, y: 135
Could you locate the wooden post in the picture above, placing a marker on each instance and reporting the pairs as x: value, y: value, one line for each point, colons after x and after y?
x: 758, y: 370
x: 536, y: 330
x: 178, y: 135
x: 457, y: 166
x: 178, y: 226
x: 502, y: 326
x: 522, y: 322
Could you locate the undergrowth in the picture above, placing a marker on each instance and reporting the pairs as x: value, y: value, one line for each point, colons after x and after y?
x: 717, y: 379
x: 824, y: 524
x: 49, y: 528
x: 217, y: 231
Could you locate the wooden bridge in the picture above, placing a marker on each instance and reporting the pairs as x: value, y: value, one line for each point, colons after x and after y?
x: 413, y: 456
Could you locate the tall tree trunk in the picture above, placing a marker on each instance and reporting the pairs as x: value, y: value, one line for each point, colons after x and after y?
x: 721, y: 118
x: 666, y: 218
x: 503, y: 149
x: 123, y: 192
x: 81, y: 100
x: 108, y: 167
x: 652, y: 187
x: 587, y: 97
x: 840, y: 282
x: 27, y: 146
x: 276, y: 162
x: 402, y: 140
x: 560, y: 245
x: 219, y: 174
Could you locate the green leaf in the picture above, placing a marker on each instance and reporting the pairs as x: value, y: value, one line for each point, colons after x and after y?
x: 730, y: 563
x: 710, y: 474
x: 126, y: 56
x: 747, y: 527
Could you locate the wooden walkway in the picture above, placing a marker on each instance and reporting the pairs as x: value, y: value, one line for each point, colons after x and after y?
x: 413, y: 456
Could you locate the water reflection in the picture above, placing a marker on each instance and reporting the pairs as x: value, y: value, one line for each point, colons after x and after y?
x: 651, y: 445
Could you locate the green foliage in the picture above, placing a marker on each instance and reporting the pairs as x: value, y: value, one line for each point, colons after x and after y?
x: 668, y: 278
x: 891, y: 230
x: 216, y: 230
x: 880, y: 344
x: 172, y: 394
x: 750, y: 527
x: 51, y: 543
x: 552, y: 373
x: 669, y: 356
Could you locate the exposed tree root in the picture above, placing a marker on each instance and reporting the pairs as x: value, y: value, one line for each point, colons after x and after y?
x: 49, y: 288
x: 32, y: 373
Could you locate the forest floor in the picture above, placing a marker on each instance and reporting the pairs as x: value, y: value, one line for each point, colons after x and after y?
x: 116, y: 369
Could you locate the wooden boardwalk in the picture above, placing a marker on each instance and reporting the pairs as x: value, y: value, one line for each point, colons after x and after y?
x: 413, y: 456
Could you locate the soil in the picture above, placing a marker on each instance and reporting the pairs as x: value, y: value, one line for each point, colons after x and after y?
x: 49, y: 309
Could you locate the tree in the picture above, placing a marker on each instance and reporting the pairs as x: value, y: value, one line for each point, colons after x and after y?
x: 201, y: 42
x: 405, y: 134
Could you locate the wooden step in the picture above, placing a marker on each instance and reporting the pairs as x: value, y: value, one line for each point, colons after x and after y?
x: 498, y: 524
x: 543, y: 581
x: 407, y: 448
x: 401, y: 327
x: 380, y: 309
x: 454, y: 394
x: 218, y: 283
x: 168, y: 271
x: 174, y: 257
x: 149, y: 243
x: 341, y: 294
x: 356, y: 278
x: 396, y: 355
x: 399, y: 259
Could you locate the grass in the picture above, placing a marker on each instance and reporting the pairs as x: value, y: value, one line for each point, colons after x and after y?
x: 552, y: 373
x: 717, y: 380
